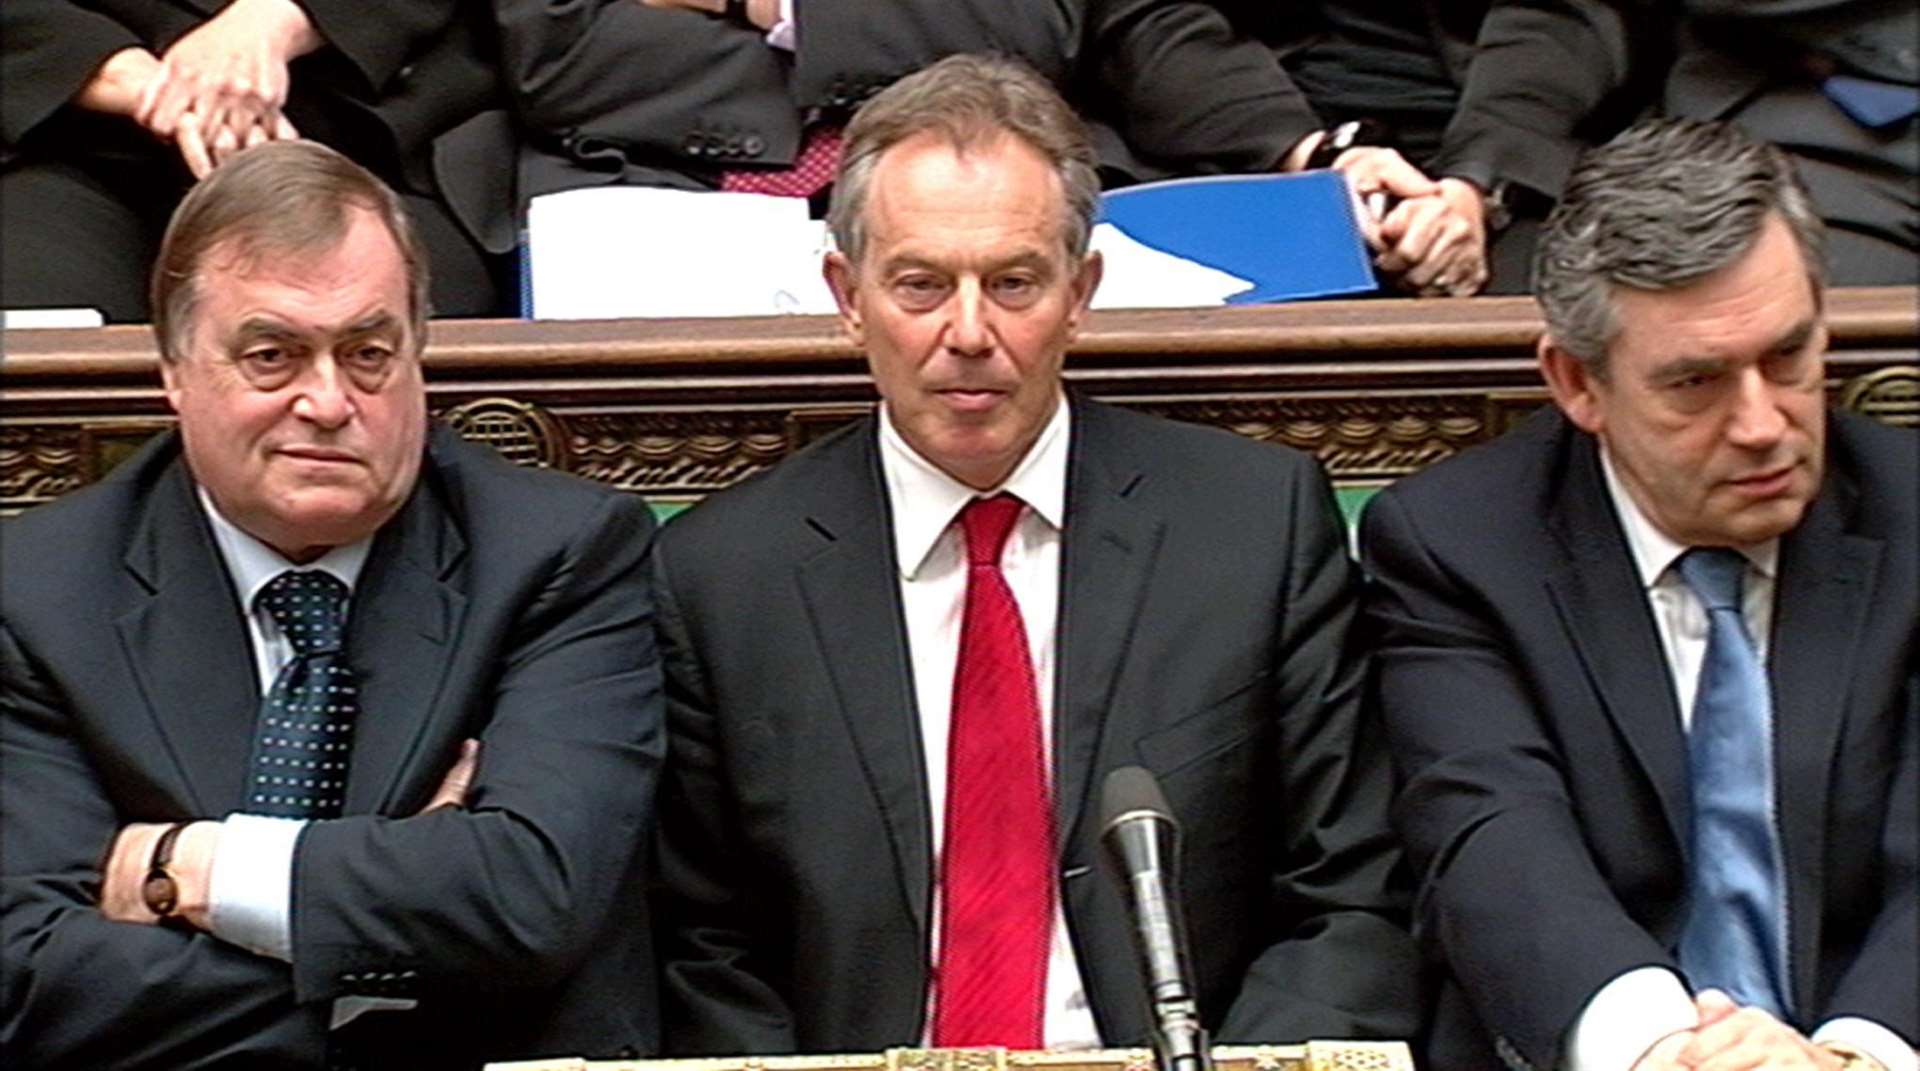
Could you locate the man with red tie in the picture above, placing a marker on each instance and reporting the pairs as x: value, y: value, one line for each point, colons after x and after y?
x: 900, y: 664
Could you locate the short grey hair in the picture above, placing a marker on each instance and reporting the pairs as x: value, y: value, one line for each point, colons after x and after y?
x: 970, y: 100
x: 1664, y: 204
x: 275, y: 198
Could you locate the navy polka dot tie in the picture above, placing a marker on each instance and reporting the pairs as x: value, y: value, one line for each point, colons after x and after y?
x: 305, y: 730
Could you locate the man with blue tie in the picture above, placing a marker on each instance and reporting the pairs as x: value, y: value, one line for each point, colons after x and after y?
x: 327, y: 737
x: 1652, y: 699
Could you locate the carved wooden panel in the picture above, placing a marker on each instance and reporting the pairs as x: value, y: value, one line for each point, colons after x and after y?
x: 676, y: 409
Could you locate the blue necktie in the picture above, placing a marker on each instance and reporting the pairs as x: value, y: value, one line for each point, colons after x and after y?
x: 1735, y: 934
x: 304, y: 733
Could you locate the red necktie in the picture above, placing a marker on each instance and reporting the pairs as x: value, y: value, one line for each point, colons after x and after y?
x: 997, y: 861
x: 812, y: 169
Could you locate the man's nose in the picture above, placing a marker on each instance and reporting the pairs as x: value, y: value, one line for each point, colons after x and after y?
x: 970, y: 332
x: 1758, y: 420
x: 323, y: 397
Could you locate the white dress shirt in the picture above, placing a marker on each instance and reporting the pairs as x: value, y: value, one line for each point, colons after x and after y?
x: 932, y: 560
x: 250, y: 893
x: 1639, y: 1006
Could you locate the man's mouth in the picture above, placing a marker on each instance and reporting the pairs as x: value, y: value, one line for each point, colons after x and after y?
x: 319, y: 454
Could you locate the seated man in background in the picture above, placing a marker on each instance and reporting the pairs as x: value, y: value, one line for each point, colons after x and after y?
x: 1653, y: 698
x: 113, y: 108
x: 878, y: 826
x: 242, y: 827
x: 1835, y: 84
x: 1408, y: 67
x: 754, y: 101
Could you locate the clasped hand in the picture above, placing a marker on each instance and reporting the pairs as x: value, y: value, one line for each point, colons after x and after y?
x: 220, y: 88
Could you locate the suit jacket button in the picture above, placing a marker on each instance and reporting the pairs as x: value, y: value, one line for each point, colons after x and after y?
x: 754, y: 145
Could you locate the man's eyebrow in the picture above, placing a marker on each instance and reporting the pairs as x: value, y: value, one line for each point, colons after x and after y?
x: 259, y: 327
x: 1796, y: 337
x: 379, y: 322
x: 1792, y: 340
x: 1027, y: 258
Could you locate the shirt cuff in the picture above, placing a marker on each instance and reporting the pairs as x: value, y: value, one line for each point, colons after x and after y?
x: 783, y: 34
x: 1869, y: 1038
x: 250, y: 896
x: 1626, y: 1017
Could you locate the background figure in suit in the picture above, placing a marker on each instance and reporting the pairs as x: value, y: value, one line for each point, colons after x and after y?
x: 1654, y: 697
x: 114, y: 107
x: 1167, y: 596
x: 615, y: 91
x: 242, y: 827
x: 1834, y: 83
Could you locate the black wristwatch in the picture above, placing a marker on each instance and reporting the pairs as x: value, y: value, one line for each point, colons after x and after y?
x: 160, y: 892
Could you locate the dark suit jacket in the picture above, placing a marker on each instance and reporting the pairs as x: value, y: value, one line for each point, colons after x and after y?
x: 1205, y: 602
x: 1551, y: 78
x: 500, y: 603
x: 613, y: 91
x: 408, y: 89
x: 1533, y: 721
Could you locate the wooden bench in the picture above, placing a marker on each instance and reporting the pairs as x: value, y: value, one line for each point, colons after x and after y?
x: 677, y: 408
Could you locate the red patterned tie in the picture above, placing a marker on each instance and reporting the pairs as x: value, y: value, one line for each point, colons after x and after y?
x: 997, y: 862
x: 812, y: 169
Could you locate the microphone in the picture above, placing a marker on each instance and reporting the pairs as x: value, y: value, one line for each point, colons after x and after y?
x: 1142, y: 842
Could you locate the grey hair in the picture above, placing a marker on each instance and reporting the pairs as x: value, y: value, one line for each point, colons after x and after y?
x: 970, y: 100
x: 279, y: 197
x: 1664, y: 204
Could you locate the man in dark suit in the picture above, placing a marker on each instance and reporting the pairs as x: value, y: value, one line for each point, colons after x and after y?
x: 1834, y: 83
x: 1648, y: 663
x: 877, y: 744
x: 113, y: 108
x: 620, y: 91
x: 325, y: 737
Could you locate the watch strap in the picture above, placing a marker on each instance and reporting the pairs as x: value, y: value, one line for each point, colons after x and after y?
x: 160, y: 891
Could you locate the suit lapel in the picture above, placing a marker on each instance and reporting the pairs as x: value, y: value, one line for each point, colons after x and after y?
x: 188, y: 646
x: 1107, y: 556
x: 1820, y: 609
x: 853, y: 604
x: 399, y: 637
x: 1601, y: 603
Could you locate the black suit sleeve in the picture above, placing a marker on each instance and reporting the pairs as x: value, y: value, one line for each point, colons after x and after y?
x: 48, y: 51
x: 78, y: 990
x: 1344, y: 965
x: 716, y: 997
x: 1186, y: 90
x: 648, y: 80
x: 380, y: 42
x: 1540, y: 72
x: 513, y: 889
x: 1883, y: 982
x: 1507, y: 886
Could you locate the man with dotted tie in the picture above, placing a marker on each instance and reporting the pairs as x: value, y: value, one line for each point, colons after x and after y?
x: 900, y: 665
x: 326, y: 737
x: 1653, y: 692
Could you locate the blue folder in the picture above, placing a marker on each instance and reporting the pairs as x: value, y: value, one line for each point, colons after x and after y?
x: 1294, y: 235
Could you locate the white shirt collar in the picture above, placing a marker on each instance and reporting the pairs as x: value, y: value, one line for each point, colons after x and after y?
x: 252, y: 563
x: 925, y: 499
x: 1654, y: 552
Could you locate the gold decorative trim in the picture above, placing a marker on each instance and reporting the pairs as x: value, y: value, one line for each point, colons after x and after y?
x: 1888, y: 394
x: 523, y: 433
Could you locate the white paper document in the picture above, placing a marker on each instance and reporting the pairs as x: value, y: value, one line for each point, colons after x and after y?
x: 632, y: 251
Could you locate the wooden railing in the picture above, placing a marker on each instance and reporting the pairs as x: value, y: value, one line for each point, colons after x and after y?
x: 676, y: 408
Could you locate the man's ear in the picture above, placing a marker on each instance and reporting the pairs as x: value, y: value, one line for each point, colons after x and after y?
x: 170, y: 381
x: 1574, y: 385
x: 1085, y: 282
x: 839, y: 272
